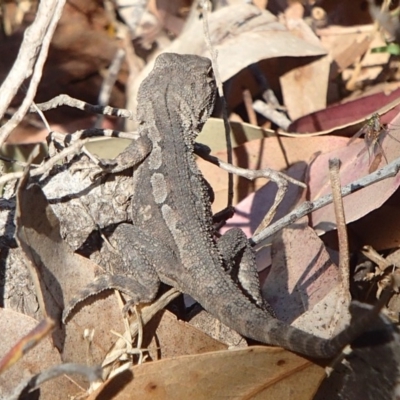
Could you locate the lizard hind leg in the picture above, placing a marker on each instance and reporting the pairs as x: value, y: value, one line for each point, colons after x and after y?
x: 127, y: 285
x: 136, y: 275
x: 239, y: 261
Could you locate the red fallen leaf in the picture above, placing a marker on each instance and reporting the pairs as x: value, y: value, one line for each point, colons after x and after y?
x: 355, y: 163
x: 350, y: 114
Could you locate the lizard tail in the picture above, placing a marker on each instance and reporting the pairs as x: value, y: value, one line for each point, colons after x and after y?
x: 312, y: 346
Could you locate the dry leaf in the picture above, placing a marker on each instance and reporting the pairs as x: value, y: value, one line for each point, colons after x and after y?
x: 14, y: 326
x: 252, y: 373
x: 26, y: 343
x: 355, y: 163
x: 303, y: 285
x: 59, y: 275
x: 277, y: 153
x: 308, y: 82
x: 242, y: 34
x: 173, y: 338
x: 348, y: 117
x: 346, y: 43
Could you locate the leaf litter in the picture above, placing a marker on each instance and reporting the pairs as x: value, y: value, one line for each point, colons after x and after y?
x: 303, y: 283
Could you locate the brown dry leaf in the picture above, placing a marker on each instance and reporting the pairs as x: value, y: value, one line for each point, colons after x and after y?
x: 79, y: 345
x: 213, y: 134
x: 252, y: 373
x: 346, y: 43
x: 204, y: 321
x: 165, y: 336
x: 303, y: 285
x: 252, y: 209
x: 308, y: 82
x: 56, y: 266
x: 368, y: 68
x: 273, y: 152
x: 59, y: 274
x: 355, y: 164
x: 242, y: 34
x: 277, y: 153
x: 13, y: 326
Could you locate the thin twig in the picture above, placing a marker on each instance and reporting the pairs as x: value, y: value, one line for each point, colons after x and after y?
x: 375, y: 257
x: 94, y: 132
x: 388, y: 171
x: 334, y: 166
x: 344, y: 258
x: 65, y: 100
x: 262, y: 82
x: 91, y: 373
x: 278, y: 177
x: 272, y: 114
x: 251, y: 174
x: 147, y: 313
x: 109, y: 82
x: 42, y: 117
x: 16, y: 162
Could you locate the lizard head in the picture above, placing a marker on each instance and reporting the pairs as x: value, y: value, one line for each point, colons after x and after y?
x: 187, y: 84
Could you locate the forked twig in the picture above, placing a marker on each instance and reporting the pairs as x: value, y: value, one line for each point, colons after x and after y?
x: 388, y: 171
x: 279, y: 178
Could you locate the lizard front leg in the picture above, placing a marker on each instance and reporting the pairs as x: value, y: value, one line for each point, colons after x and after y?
x: 133, y: 155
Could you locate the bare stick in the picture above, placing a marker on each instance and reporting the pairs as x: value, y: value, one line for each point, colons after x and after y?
x: 109, y: 82
x: 344, y: 265
x: 307, y: 207
x: 16, y: 162
x: 32, y: 54
x: 41, y: 115
x: 65, y: 100
x: 272, y: 114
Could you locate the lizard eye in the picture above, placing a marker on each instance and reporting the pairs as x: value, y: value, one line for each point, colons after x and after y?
x: 210, y: 74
